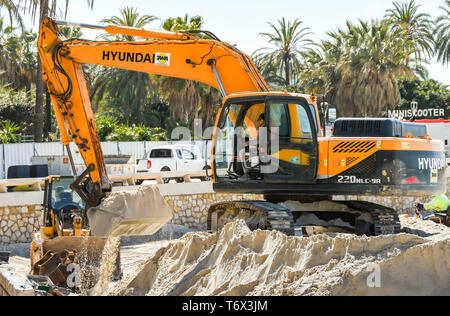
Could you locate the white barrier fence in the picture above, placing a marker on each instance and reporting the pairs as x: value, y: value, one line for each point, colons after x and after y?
x: 22, y: 154
x: 129, y: 179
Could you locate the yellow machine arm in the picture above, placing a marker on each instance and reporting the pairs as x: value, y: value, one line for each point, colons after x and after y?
x: 174, y: 54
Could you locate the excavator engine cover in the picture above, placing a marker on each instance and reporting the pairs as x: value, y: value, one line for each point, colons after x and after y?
x: 130, y: 213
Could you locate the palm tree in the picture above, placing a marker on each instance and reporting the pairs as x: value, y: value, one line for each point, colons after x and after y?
x: 269, y: 71
x: 418, y: 27
x: 13, y: 11
x: 17, y: 58
x: 289, y: 41
x: 70, y: 32
x: 357, y: 68
x: 129, y: 88
x: 129, y: 16
x: 44, y: 8
x: 189, y: 99
x: 183, y: 23
x: 7, y: 65
x: 442, y: 47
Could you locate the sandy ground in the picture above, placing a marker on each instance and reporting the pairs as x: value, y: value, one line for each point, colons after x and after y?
x: 237, y: 261
x: 136, y: 250
x: 133, y: 250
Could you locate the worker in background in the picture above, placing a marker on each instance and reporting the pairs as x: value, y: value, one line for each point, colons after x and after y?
x: 440, y: 206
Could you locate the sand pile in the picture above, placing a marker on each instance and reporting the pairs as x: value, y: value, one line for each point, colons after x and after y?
x: 237, y: 261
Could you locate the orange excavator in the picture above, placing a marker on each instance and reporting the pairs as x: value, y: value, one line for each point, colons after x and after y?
x: 264, y: 142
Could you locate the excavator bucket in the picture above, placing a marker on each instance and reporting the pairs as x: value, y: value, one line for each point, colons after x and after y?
x: 130, y: 213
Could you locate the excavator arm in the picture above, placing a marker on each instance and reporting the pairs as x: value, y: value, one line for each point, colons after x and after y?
x: 174, y: 54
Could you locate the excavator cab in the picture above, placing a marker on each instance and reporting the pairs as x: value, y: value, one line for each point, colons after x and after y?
x: 265, y: 139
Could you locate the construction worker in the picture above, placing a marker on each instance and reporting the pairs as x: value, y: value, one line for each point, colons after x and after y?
x: 440, y: 206
x: 262, y: 123
x: 261, y: 120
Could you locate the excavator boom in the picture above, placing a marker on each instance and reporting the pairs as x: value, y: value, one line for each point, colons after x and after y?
x: 173, y: 54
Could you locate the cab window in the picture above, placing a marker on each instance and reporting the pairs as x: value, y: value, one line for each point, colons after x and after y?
x: 279, y: 118
x: 304, y: 121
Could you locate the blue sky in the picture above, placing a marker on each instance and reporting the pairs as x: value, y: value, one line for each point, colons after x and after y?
x: 240, y: 21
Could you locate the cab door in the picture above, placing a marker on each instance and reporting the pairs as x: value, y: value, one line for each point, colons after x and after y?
x: 291, y: 123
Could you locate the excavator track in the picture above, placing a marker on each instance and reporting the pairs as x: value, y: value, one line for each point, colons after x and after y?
x: 385, y: 219
x: 271, y: 216
x: 257, y: 215
x: 386, y: 224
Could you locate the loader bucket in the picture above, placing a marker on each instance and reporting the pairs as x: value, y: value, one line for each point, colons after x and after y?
x: 54, y: 256
x: 90, y: 247
x: 130, y: 213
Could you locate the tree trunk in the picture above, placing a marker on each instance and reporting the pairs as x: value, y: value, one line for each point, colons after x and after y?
x: 48, y: 116
x: 38, y: 109
x: 287, y: 72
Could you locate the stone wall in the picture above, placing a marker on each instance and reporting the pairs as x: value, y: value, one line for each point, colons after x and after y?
x: 192, y: 210
x: 403, y: 205
x: 17, y: 223
x: 190, y: 202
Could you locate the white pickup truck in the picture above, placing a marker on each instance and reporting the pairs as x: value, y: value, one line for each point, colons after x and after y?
x: 173, y: 158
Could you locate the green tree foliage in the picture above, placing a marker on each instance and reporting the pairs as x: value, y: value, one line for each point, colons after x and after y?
x: 105, y: 126
x: 357, y: 67
x: 13, y: 10
x: 42, y: 9
x: 281, y: 61
x: 17, y: 107
x: 189, y: 99
x: 416, y: 25
x: 442, y: 31
x: 9, y: 132
x: 154, y: 111
x: 70, y: 32
x: 429, y: 94
x: 183, y: 23
x: 18, y: 59
x: 125, y: 91
x: 110, y: 129
x: 129, y: 16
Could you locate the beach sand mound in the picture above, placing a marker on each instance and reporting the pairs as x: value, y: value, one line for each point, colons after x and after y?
x: 238, y: 262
